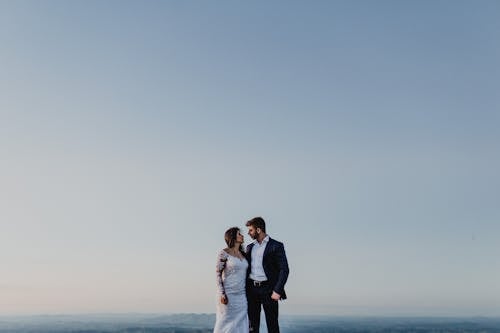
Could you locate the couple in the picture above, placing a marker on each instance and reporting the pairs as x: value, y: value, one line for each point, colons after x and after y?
x: 249, y: 280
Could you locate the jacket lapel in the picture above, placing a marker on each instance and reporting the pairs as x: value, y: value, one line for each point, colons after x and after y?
x: 249, y: 252
x: 267, y: 249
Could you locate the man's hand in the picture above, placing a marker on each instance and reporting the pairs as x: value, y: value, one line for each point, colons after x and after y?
x: 275, y: 296
x: 223, y: 299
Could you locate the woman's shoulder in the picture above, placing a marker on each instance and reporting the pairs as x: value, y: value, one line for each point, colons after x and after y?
x: 223, y: 253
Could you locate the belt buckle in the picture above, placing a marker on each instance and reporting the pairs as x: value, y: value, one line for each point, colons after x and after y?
x: 257, y: 283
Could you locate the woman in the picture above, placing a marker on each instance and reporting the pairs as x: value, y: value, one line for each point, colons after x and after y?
x: 231, y: 315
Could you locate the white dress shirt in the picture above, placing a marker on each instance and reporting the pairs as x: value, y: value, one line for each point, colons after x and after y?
x: 257, y: 270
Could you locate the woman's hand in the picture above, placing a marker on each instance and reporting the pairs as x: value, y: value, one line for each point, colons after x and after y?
x: 223, y: 299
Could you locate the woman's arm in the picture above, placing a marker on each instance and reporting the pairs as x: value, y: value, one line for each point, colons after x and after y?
x: 220, y: 266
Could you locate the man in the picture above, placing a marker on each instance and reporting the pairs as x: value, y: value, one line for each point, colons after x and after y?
x: 267, y: 275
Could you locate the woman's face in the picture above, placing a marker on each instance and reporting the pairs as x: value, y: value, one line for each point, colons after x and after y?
x: 239, y: 237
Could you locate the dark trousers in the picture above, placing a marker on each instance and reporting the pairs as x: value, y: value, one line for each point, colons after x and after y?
x: 261, y: 296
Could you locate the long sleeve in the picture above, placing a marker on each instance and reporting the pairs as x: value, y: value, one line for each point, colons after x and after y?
x: 219, y: 269
x: 283, y: 268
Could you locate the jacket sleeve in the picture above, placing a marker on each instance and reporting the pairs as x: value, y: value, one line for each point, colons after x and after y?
x: 219, y: 269
x: 283, y: 269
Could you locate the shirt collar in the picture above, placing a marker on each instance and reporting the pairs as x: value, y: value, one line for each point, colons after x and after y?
x: 264, y: 241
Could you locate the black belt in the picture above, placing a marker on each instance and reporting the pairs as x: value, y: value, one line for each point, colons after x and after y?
x: 258, y: 283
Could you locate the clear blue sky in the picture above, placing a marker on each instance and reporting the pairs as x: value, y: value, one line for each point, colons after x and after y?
x: 134, y: 133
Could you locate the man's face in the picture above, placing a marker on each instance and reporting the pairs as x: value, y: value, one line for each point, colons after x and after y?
x: 253, y: 232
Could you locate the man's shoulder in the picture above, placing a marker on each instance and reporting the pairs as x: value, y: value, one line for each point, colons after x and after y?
x: 275, y: 242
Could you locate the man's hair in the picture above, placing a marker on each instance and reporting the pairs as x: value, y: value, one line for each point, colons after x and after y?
x: 257, y: 222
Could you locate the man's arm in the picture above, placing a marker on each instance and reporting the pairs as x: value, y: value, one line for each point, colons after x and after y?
x: 283, y: 271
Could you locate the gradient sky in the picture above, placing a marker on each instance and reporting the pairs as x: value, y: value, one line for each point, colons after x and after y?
x: 134, y: 133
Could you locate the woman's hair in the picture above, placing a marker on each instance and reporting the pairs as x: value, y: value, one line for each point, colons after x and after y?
x: 230, y: 237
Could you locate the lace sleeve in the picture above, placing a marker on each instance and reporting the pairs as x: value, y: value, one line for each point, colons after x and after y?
x: 219, y: 268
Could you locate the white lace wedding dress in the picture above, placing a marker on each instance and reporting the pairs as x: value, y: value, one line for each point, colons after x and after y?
x: 231, y: 277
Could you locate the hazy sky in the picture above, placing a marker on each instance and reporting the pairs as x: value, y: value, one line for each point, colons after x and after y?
x: 134, y: 133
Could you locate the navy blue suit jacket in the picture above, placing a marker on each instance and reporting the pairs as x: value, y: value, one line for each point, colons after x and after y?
x: 274, y: 263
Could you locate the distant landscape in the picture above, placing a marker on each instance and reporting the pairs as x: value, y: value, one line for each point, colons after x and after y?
x: 203, y: 323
